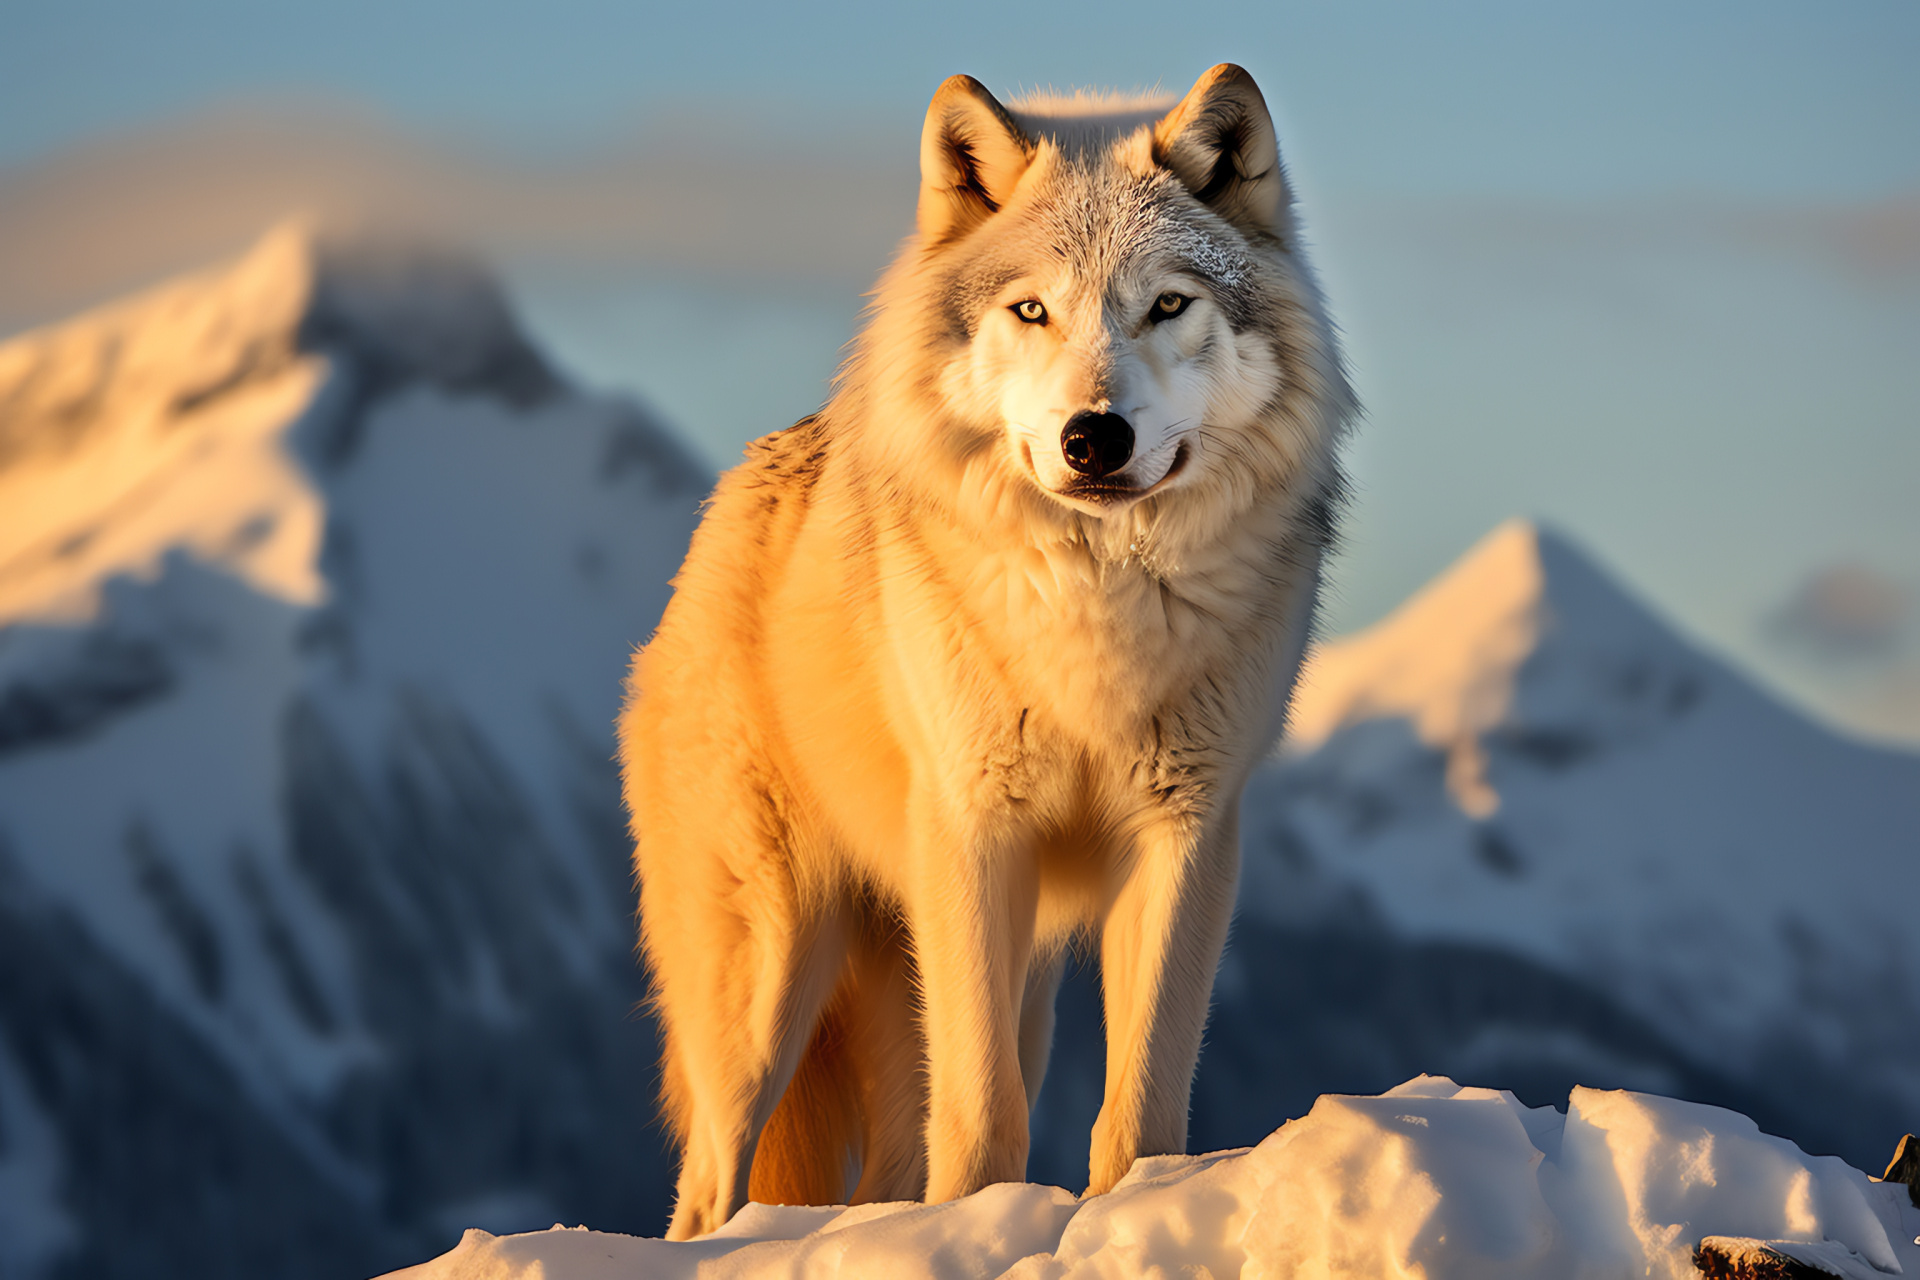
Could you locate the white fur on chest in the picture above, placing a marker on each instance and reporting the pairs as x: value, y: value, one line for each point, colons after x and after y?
x: 1100, y: 649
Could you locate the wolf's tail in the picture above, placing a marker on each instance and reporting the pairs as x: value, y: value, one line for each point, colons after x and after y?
x: 809, y: 1150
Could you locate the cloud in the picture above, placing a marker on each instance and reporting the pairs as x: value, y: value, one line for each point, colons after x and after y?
x: 703, y: 192
x: 773, y: 194
x: 1845, y: 613
x: 1874, y: 243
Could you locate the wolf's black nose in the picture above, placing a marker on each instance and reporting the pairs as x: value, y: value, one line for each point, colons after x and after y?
x: 1096, y: 444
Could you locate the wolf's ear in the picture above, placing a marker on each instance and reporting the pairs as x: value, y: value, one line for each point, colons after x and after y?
x: 971, y: 156
x: 1219, y: 142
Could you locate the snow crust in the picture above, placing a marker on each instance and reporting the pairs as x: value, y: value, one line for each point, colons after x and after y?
x: 1426, y: 1180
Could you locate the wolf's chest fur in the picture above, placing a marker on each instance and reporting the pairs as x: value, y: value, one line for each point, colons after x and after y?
x: 1016, y: 644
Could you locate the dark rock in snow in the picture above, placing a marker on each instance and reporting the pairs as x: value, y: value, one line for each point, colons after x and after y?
x: 1905, y: 1167
x: 1737, y: 1258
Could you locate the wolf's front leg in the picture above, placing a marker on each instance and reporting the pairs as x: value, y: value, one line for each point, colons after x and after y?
x: 1159, y: 948
x: 972, y: 914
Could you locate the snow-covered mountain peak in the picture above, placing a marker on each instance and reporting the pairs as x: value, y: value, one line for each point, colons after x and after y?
x: 317, y: 588
x: 1523, y: 636
x: 1525, y: 756
x: 191, y: 416
x: 416, y: 310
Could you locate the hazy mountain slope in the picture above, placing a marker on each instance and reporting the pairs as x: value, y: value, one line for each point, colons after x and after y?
x: 317, y: 588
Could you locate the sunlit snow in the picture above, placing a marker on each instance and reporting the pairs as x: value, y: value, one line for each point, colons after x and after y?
x: 1428, y: 1180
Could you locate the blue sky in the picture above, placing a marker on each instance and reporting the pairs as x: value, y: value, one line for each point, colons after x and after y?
x: 1751, y: 97
x: 1650, y: 271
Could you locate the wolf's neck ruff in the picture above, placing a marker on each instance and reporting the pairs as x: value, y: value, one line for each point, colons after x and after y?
x: 975, y: 662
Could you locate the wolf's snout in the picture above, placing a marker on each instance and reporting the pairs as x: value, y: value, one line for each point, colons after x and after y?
x: 1096, y: 444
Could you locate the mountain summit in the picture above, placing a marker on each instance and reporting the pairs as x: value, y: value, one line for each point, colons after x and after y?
x: 189, y: 417
x: 1522, y: 637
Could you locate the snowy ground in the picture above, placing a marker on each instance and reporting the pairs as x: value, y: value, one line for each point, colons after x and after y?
x: 1429, y: 1179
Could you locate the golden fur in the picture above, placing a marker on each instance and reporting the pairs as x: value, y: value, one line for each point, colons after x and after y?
x: 927, y: 705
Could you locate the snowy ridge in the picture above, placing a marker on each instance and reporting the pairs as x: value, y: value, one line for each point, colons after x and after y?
x: 1427, y: 1180
x: 163, y: 422
x: 156, y: 423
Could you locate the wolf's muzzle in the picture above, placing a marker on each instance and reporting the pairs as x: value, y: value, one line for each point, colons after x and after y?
x: 1096, y: 444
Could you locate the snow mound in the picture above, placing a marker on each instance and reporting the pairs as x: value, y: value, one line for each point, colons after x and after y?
x: 1426, y: 1180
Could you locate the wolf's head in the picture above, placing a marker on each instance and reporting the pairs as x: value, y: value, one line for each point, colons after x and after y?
x: 1104, y: 306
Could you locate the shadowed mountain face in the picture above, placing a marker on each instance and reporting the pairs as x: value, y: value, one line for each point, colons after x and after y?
x: 317, y: 586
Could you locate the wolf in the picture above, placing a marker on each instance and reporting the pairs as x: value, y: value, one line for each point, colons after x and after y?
x: 971, y: 666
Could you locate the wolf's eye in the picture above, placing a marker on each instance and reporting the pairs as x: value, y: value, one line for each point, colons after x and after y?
x: 1030, y: 311
x: 1167, y: 306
